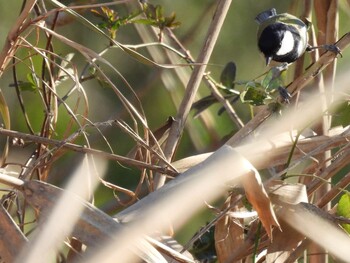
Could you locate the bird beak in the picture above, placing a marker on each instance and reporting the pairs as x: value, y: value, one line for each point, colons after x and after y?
x: 268, y: 60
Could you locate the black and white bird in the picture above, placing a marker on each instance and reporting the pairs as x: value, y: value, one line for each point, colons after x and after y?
x: 281, y: 37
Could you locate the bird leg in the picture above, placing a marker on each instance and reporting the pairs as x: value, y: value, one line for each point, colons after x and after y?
x: 332, y: 48
x: 285, y: 95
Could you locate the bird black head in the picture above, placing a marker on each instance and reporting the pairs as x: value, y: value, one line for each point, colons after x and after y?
x: 271, y: 38
x: 278, y: 42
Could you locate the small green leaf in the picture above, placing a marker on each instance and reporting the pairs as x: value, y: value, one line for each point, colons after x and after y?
x: 31, y: 78
x: 202, y: 104
x: 29, y: 85
x: 273, y: 85
x: 228, y: 75
x: 343, y: 209
x: 144, y: 21
x: 97, y: 13
x: 254, y: 95
x: 169, y: 20
x: 159, y: 12
x: 273, y: 78
x: 150, y: 11
x: 155, y: 17
x: 175, y: 25
x: 26, y: 86
x: 103, y: 25
x: 110, y: 20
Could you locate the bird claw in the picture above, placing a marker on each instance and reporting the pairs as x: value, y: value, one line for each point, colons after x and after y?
x: 285, y: 95
x: 333, y: 48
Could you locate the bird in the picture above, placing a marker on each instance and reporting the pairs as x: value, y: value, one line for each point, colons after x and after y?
x: 281, y: 37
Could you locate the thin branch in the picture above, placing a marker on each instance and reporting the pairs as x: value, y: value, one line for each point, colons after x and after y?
x: 83, y: 149
x: 193, y: 84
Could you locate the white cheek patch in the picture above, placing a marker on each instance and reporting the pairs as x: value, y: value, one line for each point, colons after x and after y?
x: 287, y: 44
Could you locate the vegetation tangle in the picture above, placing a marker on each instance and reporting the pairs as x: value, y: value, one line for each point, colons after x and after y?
x: 112, y: 141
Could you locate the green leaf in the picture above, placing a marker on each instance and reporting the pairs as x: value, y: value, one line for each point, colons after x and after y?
x: 155, y: 17
x: 97, y: 13
x: 29, y: 85
x: 202, y: 104
x: 150, y: 11
x: 228, y: 75
x: 159, y: 12
x: 273, y: 78
x: 110, y: 20
x: 254, y: 95
x: 26, y: 86
x: 32, y: 78
x: 175, y: 24
x: 343, y: 209
x: 145, y: 21
x: 169, y: 20
x: 103, y: 25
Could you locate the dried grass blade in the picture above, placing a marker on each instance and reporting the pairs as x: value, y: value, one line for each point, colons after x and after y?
x: 257, y: 196
x: 319, y: 230
x: 12, y: 239
x: 229, y: 235
x: 5, y: 114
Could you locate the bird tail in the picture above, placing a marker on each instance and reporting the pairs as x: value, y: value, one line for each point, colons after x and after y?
x: 265, y: 15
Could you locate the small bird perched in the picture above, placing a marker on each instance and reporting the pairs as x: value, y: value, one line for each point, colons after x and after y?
x: 284, y: 38
x: 281, y: 37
